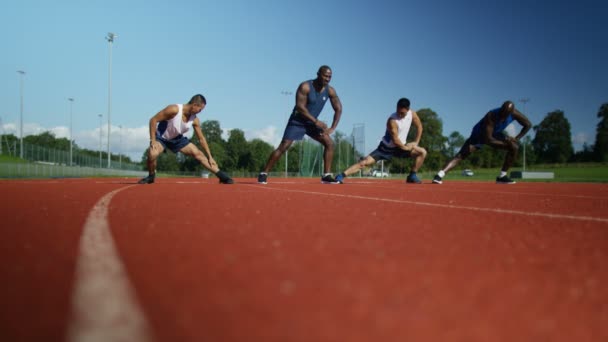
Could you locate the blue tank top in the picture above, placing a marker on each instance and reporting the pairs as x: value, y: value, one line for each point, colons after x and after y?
x: 499, y: 126
x: 314, y: 103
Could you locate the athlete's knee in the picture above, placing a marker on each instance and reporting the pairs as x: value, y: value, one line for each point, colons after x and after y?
x: 422, y: 152
x: 328, y: 143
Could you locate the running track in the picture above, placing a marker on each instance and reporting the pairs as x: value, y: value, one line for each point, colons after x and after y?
x: 294, y: 260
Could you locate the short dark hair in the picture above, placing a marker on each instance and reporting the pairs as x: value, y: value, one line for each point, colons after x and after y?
x: 198, y: 99
x: 323, y: 68
x: 403, y: 103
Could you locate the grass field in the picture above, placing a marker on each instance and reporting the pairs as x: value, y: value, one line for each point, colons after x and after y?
x: 592, y: 172
x: 588, y: 172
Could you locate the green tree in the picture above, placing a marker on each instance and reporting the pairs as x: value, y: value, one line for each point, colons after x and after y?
x: 553, y: 140
x: 258, y: 152
x: 453, y: 144
x: 212, y: 131
x: 584, y: 156
x: 600, y: 148
x: 432, y: 139
x: 166, y: 161
x: 236, y: 147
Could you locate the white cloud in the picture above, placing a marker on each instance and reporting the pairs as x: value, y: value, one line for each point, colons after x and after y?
x: 579, y: 139
x: 128, y: 141
x: 268, y: 134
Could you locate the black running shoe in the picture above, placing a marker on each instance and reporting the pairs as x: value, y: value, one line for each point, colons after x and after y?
x: 504, y: 180
x: 224, y: 178
x: 437, y: 180
x: 329, y: 179
x: 263, y: 178
x: 226, y: 181
x: 147, y: 180
x: 412, y: 178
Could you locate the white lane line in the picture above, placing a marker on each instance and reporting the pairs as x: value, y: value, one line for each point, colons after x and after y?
x: 414, y: 187
x: 450, y: 206
x: 104, y: 305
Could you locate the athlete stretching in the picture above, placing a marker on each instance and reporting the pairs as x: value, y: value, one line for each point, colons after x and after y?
x: 310, y: 99
x: 167, y: 130
x: 489, y: 131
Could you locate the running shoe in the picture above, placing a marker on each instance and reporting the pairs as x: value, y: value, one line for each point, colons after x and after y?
x: 147, y: 180
x: 437, y: 180
x: 340, y: 178
x: 504, y: 180
x: 263, y: 178
x: 412, y: 178
x: 329, y: 179
x: 224, y: 178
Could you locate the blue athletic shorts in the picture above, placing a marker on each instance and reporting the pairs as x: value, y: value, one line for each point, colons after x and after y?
x: 383, y: 152
x: 296, y: 129
x: 175, y: 144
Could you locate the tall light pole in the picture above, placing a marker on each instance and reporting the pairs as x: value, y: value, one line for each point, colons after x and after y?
x: 21, y: 116
x: 100, y: 125
x: 524, y: 101
x: 286, y: 93
x: 120, y: 146
x: 110, y: 38
x: 71, y: 132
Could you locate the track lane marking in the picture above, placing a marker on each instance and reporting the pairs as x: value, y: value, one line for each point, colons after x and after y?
x: 104, y: 305
x: 448, y: 206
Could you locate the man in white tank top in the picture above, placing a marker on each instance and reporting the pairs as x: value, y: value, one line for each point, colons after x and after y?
x: 168, y: 129
x: 394, y: 143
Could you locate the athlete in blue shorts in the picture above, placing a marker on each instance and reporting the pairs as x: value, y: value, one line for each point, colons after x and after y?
x: 168, y: 129
x: 310, y: 99
x: 394, y: 143
x: 489, y: 131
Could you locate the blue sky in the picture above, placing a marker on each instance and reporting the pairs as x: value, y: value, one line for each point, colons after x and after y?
x: 459, y: 58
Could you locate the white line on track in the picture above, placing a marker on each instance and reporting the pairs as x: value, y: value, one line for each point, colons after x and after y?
x: 415, y: 187
x: 104, y: 305
x: 449, y: 206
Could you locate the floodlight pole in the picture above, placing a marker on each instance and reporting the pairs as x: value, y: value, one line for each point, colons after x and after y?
x: 524, y: 101
x: 110, y: 38
x: 71, y: 132
x: 21, y: 116
x: 100, y: 126
x: 120, y: 147
x: 287, y: 93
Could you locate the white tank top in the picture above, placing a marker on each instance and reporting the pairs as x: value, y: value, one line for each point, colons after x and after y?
x: 170, y: 129
x: 403, y: 128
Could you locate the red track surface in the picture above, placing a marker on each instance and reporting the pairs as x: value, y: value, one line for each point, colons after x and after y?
x: 299, y: 261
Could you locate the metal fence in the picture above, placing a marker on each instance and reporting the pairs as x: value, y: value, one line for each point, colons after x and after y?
x: 41, y: 154
x: 43, y: 162
x: 45, y: 170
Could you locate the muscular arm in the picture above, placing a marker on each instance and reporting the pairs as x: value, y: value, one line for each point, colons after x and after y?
x: 488, y: 130
x: 523, y: 121
x: 391, y: 125
x: 301, y: 99
x: 416, y: 121
x: 337, y: 106
x: 166, y: 114
x: 196, y: 124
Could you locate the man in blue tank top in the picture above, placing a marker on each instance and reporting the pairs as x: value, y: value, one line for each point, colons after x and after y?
x: 310, y: 99
x: 489, y: 131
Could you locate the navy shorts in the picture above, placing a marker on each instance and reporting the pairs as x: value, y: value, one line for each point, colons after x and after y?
x: 175, y: 144
x: 383, y: 152
x: 296, y: 129
x: 476, y: 141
